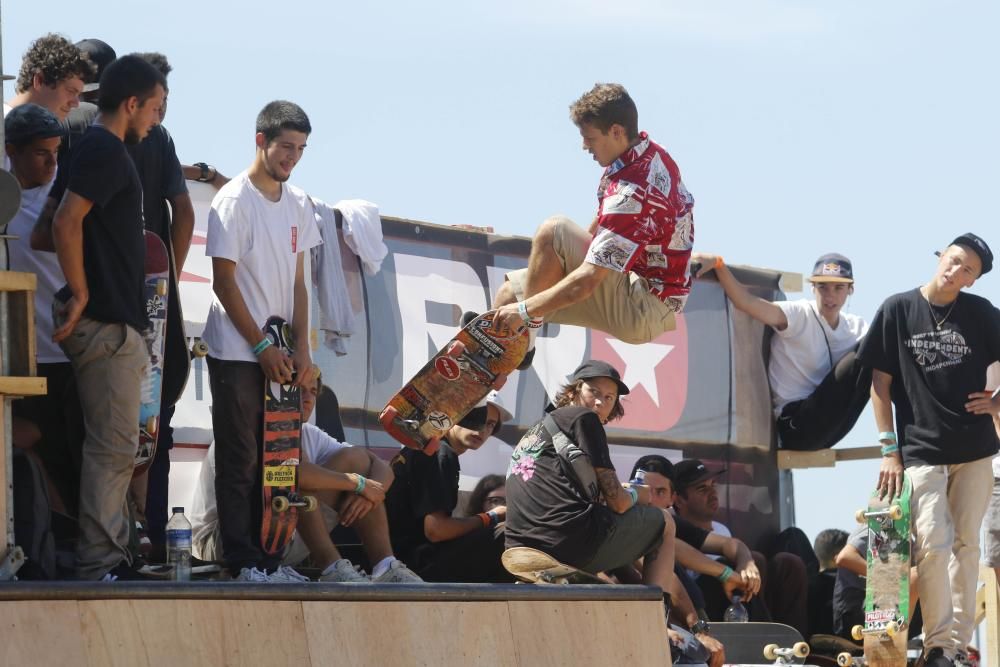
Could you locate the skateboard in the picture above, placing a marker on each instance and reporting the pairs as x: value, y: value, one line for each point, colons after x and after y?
x: 537, y: 567
x: 156, y: 294
x: 177, y: 356
x: 476, y: 361
x: 761, y: 643
x: 280, y: 452
x: 887, y: 586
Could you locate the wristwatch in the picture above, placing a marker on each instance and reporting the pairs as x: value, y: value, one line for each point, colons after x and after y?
x: 701, y: 627
x: 203, y: 177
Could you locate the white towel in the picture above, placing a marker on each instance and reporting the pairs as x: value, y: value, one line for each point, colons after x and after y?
x: 336, y: 318
x: 363, y: 232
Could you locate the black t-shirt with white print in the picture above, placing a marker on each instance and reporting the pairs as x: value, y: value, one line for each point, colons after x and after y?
x: 934, y: 369
x: 545, y: 508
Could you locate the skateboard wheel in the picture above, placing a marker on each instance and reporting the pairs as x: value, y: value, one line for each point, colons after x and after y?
x: 892, y: 628
x: 455, y: 348
x: 161, y: 287
x: 845, y: 659
x: 860, y: 517
x: 858, y: 632
x: 151, y: 425
x: 800, y: 649
x: 310, y: 503
x: 771, y: 652
x: 432, y: 446
x: 499, y: 382
x: 200, y: 349
x: 895, y: 512
x: 280, y: 504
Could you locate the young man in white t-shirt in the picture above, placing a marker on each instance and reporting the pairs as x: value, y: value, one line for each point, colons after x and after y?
x: 259, y: 229
x: 330, y: 470
x: 818, y: 387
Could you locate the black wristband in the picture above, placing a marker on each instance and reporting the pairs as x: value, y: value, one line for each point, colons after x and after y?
x: 701, y: 627
x: 203, y: 177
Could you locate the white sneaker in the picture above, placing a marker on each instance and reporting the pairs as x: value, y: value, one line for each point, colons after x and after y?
x: 398, y: 573
x: 286, y: 575
x: 251, y: 575
x: 344, y: 572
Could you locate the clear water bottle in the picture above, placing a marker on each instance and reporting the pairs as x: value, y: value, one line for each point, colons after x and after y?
x: 736, y: 612
x: 179, y: 545
x: 640, y: 477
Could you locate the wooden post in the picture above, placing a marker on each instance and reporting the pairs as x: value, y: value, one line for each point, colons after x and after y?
x: 988, y: 609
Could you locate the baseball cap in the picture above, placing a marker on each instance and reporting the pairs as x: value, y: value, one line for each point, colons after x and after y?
x: 654, y: 463
x: 101, y: 54
x: 978, y: 246
x: 690, y: 472
x: 28, y: 122
x: 599, y: 369
x: 832, y: 268
x: 477, y: 416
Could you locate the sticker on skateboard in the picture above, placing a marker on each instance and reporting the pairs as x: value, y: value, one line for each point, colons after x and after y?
x: 280, y: 451
x: 476, y: 361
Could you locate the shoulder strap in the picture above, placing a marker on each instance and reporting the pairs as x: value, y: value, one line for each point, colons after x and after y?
x: 574, y: 462
x: 829, y: 351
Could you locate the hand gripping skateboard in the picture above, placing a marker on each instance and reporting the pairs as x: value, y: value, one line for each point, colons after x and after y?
x: 887, y: 585
x: 757, y: 643
x: 156, y: 294
x: 477, y: 360
x: 280, y: 452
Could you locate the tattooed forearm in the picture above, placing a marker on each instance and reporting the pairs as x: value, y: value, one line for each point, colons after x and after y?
x: 614, y: 495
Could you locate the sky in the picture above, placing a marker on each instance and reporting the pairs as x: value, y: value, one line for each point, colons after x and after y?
x: 868, y: 129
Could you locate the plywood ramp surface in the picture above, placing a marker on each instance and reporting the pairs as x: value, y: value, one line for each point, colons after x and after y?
x: 277, y: 632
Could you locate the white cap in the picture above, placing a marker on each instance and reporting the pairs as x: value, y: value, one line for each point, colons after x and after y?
x: 493, y: 398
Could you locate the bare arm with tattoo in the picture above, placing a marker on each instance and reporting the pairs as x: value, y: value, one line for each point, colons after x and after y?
x: 615, y: 496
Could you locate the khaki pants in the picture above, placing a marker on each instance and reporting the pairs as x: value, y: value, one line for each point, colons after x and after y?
x: 109, y: 361
x: 622, y: 304
x: 948, y: 504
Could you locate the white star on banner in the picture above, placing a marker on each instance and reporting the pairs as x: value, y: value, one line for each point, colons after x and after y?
x: 640, y: 364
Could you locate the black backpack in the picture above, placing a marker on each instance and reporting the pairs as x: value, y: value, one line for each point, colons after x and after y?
x: 32, y: 519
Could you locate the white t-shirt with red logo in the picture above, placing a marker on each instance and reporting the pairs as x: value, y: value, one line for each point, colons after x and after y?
x: 645, y: 222
x: 264, y: 239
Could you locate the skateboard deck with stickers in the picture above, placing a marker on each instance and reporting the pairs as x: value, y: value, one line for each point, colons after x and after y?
x: 476, y: 361
x: 281, y: 451
x: 156, y: 294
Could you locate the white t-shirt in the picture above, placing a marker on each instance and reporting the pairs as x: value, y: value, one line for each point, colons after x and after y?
x: 317, y: 447
x: 45, y: 265
x: 799, y: 355
x: 992, y: 382
x: 264, y: 238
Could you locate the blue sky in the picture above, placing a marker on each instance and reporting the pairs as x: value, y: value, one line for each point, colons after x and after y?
x: 800, y: 127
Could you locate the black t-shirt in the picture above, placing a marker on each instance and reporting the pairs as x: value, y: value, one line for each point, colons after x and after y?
x: 423, y: 485
x: 689, y: 533
x: 934, y: 370
x: 100, y: 170
x: 545, y: 508
x: 155, y: 159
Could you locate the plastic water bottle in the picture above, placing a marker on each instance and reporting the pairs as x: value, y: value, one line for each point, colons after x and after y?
x: 736, y: 612
x: 640, y: 477
x: 179, y: 545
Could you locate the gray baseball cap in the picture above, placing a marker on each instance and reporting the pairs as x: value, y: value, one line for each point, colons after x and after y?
x: 28, y: 122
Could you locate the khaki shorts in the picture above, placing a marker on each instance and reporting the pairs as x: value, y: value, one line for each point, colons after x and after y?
x: 622, y: 304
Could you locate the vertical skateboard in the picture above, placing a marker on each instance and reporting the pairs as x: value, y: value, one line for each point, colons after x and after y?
x: 157, y: 294
x: 280, y: 452
x: 887, y: 585
x: 477, y: 360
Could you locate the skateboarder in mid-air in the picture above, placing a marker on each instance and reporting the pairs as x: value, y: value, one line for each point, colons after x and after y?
x: 627, y: 274
x: 930, y: 348
x: 259, y: 228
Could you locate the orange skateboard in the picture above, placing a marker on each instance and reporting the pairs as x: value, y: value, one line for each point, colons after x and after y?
x: 477, y: 360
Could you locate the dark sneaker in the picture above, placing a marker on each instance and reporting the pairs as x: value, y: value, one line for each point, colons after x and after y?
x: 526, y: 362
x: 934, y: 658
x: 125, y: 572
x: 467, y: 317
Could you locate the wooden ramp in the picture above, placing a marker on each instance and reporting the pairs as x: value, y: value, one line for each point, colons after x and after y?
x: 131, y: 623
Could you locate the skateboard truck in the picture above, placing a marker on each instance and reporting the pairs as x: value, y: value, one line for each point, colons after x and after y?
x: 783, y: 656
x: 282, y: 503
x: 847, y: 660
x: 889, y: 630
x: 894, y: 512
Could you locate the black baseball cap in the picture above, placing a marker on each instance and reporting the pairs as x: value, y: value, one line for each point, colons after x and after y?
x: 101, y: 54
x: 661, y: 465
x: 599, y: 369
x: 978, y: 246
x: 28, y: 122
x: 690, y: 472
x: 832, y: 268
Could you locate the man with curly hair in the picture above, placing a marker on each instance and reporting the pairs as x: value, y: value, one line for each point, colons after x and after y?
x: 52, y: 75
x: 627, y: 274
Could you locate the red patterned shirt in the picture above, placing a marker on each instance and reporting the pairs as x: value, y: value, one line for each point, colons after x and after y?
x: 645, y: 221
